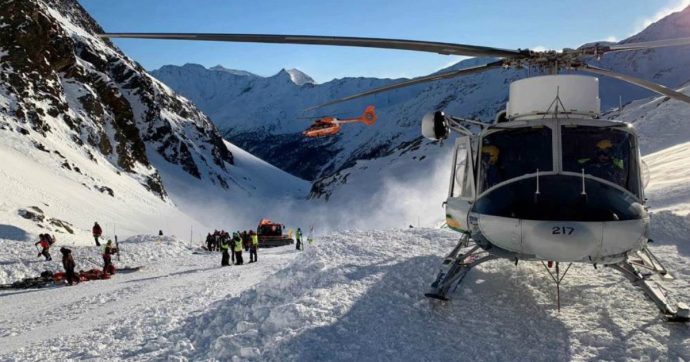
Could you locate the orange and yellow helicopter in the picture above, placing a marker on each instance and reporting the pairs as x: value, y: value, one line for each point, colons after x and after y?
x: 328, y: 126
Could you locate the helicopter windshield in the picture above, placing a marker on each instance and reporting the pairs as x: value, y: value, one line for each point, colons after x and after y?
x: 513, y: 153
x: 607, y: 153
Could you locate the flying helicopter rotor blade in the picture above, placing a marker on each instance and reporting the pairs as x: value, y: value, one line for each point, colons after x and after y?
x: 658, y: 88
x: 648, y: 44
x: 415, y: 45
x: 407, y: 83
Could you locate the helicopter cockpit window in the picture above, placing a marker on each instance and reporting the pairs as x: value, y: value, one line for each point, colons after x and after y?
x: 513, y: 153
x: 607, y: 153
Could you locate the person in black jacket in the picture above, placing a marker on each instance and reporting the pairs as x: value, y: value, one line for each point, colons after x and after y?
x: 209, y: 242
x: 69, y: 265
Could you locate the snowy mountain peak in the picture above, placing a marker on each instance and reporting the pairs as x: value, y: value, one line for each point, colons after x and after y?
x: 297, y: 76
x: 675, y: 25
x: 220, y: 68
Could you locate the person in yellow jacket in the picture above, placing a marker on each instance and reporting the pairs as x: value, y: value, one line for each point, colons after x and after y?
x: 224, y: 246
x: 253, y: 247
x: 237, y: 246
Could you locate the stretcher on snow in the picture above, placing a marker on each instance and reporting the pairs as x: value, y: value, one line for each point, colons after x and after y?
x: 49, y: 279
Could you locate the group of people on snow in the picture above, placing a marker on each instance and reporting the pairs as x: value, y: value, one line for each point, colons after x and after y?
x: 232, y: 247
x: 46, y: 241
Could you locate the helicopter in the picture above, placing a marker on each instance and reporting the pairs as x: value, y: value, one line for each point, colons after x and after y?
x: 548, y: 180
x: 329, y: 126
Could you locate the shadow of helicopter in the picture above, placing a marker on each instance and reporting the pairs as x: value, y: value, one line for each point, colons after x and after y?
x: 393, y: 321
x: 379, y: 327
x: 624, y: 340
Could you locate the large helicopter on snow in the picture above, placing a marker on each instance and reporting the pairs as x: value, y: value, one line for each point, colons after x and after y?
x: 548, y: 181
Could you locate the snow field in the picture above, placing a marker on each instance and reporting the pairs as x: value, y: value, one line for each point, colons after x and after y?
x: 130, y: 315
x: 18, y: 259
x: 359, y: 296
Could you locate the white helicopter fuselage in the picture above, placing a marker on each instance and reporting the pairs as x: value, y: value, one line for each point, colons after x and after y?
x: 553, y: 182
x: 562, y: 241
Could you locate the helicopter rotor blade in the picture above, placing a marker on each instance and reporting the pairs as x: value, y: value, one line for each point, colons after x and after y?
x: 654, y: 87
x: 407, y: 83
x: 648, y: 44
x: 415, y: 45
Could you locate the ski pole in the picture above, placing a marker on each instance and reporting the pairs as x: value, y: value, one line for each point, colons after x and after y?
x: 117, y: 246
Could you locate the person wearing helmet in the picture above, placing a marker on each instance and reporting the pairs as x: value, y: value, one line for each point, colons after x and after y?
x: 490, y: 164
x: 604, y: 164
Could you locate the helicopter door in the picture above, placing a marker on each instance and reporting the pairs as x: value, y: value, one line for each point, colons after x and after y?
x: 461, y: 192
x: 462, y: 182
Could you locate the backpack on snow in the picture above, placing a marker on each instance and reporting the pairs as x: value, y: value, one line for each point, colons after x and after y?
x: 50, y: 239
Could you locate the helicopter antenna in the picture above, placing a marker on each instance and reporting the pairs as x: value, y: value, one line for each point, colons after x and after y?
x: 556, y: 102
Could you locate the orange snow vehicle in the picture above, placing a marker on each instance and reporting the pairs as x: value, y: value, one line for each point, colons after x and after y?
x: 271, y: 234
x: 328, y: 126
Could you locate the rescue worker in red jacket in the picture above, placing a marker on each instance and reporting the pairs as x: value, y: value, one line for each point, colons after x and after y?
x: 108, y: 266
x: 97, y: 232
x: 45, y: 245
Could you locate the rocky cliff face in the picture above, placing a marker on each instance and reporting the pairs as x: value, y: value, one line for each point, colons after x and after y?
x: 60, y: 83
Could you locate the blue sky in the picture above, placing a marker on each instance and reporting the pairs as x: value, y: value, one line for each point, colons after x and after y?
x: 500, y: 23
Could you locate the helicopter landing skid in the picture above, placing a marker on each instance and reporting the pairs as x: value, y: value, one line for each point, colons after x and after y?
x: 455, y: 266
x: 632, y: 268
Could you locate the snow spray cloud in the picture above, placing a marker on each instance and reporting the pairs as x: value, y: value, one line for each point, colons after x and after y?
x: 393, y: 192
x: 411, y: 193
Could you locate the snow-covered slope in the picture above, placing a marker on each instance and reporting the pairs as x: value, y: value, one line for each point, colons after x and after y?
x: 664, y: 129
x: 61, y: 83
x: 349, y: 296
x: 262, y: 115
x: 87, y: 135
x: 266, y: 115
